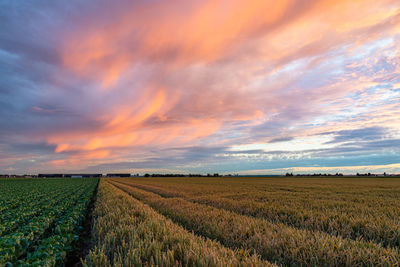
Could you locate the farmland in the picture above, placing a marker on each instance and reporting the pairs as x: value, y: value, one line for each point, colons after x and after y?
x: 203, y: 221
x: 40, y: 219
x: 297, y: 221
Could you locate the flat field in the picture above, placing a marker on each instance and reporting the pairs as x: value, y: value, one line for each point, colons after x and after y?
x: 238, y: 221
x: 41, y: 218
x: 283, y: 221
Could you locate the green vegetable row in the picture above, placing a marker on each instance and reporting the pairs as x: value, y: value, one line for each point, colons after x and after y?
x: 16, y: 244
x: 18, y: 193
x: 52, y: 224
x: 17, y: 218
x: 52, y: 250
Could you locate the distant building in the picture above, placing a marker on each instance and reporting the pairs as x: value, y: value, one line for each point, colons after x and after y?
x: 75, y: 175
x: 50, y: 175
x: 83, y: 175
x: 118, y: 175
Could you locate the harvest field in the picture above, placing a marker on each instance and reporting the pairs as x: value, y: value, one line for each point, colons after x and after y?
x: 40, y: 219
x: 204, y: 221
x: 257, y: 221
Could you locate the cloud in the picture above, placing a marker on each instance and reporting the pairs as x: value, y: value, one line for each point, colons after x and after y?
x: 101, y: 84
x: 366, y: 134
x: 281, y: 139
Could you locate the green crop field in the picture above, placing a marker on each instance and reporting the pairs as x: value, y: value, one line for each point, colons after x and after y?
x: 40, y: 219
x: 228, y: 221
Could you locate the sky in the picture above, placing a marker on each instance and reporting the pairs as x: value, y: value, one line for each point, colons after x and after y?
x: 188, y: 86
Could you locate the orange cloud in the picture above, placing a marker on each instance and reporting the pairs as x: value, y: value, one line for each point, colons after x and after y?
x: 125, y: 119
x: 174, y: 106
x: 202, y: 34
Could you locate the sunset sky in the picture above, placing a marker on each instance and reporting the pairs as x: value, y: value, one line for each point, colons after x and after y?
x: 229, y: 86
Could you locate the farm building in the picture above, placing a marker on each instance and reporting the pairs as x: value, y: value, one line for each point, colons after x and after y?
x: 83, y: 175
x: 78, y: 175
x: 50, y: 175
x: 118, y: 175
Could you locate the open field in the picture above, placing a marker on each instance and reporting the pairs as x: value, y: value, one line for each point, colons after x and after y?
x: 352, y: 208
x: 287, y: 221
x: 130, y: 233
x: 40, y: 219
x: 203, y: 221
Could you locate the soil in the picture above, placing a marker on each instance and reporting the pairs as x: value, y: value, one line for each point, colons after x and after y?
x: 83, y: 245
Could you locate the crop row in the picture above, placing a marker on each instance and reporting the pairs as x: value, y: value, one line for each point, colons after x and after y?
x: 18, y: 245
x: 13, y: 194
x: 128, y: 233
x: 356, y: 220
x: 14, y: 219
x: 349, y: 195
x: 52, y: 250
x: 275, y: 242
x: 10, y: 206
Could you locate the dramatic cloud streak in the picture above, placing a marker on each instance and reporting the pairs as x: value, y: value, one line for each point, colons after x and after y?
x: 154, y: 85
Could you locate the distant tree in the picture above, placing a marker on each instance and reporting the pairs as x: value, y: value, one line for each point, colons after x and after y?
x: 147, y: 175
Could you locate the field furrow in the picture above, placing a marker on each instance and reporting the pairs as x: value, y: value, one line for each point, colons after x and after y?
x: 128, y: 233
x: 17, y: 244
x: 52, y: 249
x: 275, y: 242
x: 43, y: 220
x: 354, y: 220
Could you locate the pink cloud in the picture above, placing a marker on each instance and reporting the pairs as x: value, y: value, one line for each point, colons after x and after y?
x: 153, y: 73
